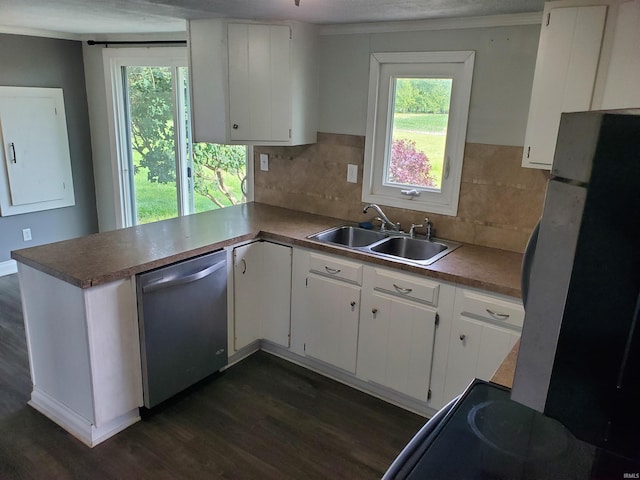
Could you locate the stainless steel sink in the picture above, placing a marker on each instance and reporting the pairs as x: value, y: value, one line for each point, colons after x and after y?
x: 387, y: 244
x: 418, y: 250
x: 349, y: 236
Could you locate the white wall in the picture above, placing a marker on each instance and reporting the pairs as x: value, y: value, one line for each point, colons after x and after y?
x: 503, y: 76
x: 27, y: 61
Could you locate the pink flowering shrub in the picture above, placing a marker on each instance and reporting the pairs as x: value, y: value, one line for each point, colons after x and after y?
x: 409, y: 166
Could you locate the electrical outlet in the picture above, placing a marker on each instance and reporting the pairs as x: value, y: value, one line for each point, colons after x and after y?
x: 26, y: 234
x: 352, y: 173
x: 264, y: 162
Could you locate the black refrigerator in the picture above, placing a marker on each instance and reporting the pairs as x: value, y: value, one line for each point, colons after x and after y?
x: 579, y: 359
x: 574, y: 410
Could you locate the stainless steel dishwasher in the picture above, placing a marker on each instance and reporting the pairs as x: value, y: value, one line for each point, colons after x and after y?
x: 182, y: 313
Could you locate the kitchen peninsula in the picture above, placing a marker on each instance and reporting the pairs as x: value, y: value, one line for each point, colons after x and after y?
x: 80, y: 302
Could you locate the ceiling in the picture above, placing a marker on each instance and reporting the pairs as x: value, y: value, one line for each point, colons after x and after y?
x: 154, y: 16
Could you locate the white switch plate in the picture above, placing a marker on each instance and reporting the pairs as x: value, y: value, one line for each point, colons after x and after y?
x: 26, y: 234
x: 264, y: 162
x: 352, y: 173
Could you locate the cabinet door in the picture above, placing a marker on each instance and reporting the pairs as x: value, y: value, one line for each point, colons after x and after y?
x: 476, y: 350
x: 35, y: 151
x: 275, y: 311
x: 564, y: 78
x: 332, y: 329
x: 396, y: 343
x: 262, y: 293
x: 259, y: 82
x: 247, y: 294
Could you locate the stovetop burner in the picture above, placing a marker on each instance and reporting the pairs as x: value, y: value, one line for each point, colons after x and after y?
x: 514, y: 430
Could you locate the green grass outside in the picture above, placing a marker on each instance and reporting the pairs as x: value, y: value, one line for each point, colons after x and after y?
x: 429, y: 133
x: 158, y: 201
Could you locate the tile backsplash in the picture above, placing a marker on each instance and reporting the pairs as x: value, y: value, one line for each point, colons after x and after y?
x: 500, y: 202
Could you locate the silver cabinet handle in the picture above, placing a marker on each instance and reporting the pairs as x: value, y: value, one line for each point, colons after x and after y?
x: 374, y: 310
x: 244, y: 266
x: 498, y: 316
x: 353, y: 306
x: 235, y: 126
x: 332, y: 271
x: 13, y: 153
x: 462, y: 337
x: 401, y: 290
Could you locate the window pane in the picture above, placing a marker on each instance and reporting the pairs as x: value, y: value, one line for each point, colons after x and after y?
x: 218, y: 174
x: 418, y: 132
x: 152, y: 142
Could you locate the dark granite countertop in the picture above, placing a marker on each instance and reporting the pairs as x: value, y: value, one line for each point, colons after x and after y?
x: 103, y: 257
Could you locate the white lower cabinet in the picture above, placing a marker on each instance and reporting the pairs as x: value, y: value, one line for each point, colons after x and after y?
x: 484, y: 329
x: 262, y: 294
x: 405, y: 337
x: 331, y: 309
x: 395, y: 346
x: 397, y: 331
x: 334, y: 309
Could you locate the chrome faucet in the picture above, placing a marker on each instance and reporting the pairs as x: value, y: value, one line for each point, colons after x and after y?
x: 382, y: 217
x: 429, y: 226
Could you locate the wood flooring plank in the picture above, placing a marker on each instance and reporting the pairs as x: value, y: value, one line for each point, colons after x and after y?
x: 264, y: 418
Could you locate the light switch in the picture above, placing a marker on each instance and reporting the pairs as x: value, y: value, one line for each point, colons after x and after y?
x: 352, y: 173
x: 26, y: 234
x: 264, y: 162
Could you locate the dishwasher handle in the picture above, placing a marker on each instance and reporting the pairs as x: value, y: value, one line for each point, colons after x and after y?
x: 162, y: 284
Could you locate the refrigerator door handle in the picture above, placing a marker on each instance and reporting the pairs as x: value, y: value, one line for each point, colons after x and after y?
x: 527, y: 261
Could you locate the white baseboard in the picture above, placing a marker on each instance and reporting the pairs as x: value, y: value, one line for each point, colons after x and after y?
x: 77, y: 425
x: 9, y: 267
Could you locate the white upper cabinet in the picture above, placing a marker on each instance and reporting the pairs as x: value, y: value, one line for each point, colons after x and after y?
x: 565, y: 75
x: 36, y: 165
x: 588, y: 59
x: 253, y: 83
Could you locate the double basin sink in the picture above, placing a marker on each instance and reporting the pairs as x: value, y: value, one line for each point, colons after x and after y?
x: 387, y: 244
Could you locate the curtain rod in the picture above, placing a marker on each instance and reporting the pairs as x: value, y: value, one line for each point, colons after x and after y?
x: 139, y: 42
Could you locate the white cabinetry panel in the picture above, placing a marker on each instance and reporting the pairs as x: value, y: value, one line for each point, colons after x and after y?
x: 35, y: 151
x: 396, y: 344
x: 332, y: 325
x: 253, y: 83
x: 484, y: 330
x: 262, y: 293
x: 565, y: 75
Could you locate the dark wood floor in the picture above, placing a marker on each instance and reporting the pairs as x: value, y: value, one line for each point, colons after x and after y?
x: 264, y: 418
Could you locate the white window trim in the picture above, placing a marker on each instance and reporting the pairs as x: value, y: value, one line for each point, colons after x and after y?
x: 378, y: 112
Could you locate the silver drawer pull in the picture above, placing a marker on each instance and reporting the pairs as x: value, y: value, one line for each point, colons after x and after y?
x: 332, y: 271
x: 498, y: 316
x: 401, y: 290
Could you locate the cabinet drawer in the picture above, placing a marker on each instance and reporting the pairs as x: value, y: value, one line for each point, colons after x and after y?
x: 336, y: 268
x: 495, y: 310
x: 404, y: 286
